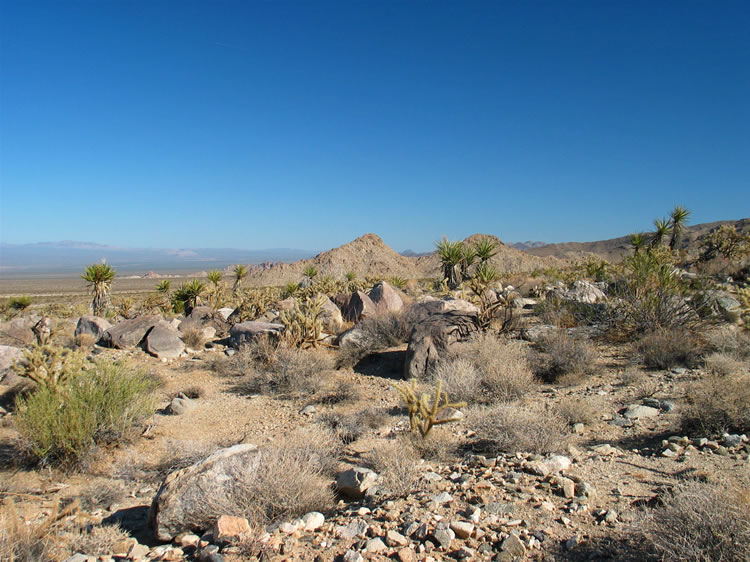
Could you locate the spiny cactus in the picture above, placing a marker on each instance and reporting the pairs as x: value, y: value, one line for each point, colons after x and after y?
x: 304, y: 322
x: 424, y: 411
x: 49, y: 365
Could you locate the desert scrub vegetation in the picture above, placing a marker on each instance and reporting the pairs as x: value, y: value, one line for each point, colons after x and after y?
x: 378, y: 332
x: 396, y: 463
x: 699, y: 521
x: 304, y: 322
x: 514, y: 428
x: 100, y: 405
x: 99, y: 277
x: 664, y: 349
x: 718, y: 403
x: 561, y: 357
x: 485, y: 370
x: 428, y: 410
x: 350, y: 427
x: 19, y: 304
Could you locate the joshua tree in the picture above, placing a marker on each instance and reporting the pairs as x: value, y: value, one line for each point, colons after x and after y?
x: 469, y: 256
x: 451, y: 256
x: 662, y: 229
x: 214, y: 276
x: 99, y: 277
x: 678, y: 219
x: 637, y: 241
x: 240, y: 272
x: 310, y: 272
x: 188, y: 294
x: 164, y: 287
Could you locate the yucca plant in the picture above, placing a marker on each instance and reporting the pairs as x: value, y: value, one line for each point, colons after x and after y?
x: 187, y: 296
x: 19, y: 304
x: 678, y: 220
x: 486, y: 274
x: 290, y: 289
x: 451, y: 256
x: 214, y: 277
x: 310, y: 272
x: 662, y: 228
x: 485, y: 249
x: 350, y: 276
x: 398, y: 282
x: 637, y: 241
x: 215, y: 293
x: 164, y: 287
x: 239, y: 272
x: 99, y: 277
x: 467, y: 260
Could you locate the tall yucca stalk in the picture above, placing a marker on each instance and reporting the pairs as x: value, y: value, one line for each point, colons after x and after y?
x: 99, y: 277
x: 451, y: 256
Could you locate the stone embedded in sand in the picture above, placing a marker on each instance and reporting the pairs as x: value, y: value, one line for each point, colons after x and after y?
x: 164, y: 343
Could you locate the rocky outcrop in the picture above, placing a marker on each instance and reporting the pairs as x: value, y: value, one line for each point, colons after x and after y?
x: 131, y: 332
x: 386, y: 297
x: 92, y: 325
x: 433, y: 334
x: 246, y: 332
x: 8, y: 355
x: 360, y: 306
x: 189, y: 499
x: 580, y: 291
x: 164, y: 343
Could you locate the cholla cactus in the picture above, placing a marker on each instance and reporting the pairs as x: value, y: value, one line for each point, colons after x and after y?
x: 304, y: 322
x: 424, y: 411
x: 49, y: 365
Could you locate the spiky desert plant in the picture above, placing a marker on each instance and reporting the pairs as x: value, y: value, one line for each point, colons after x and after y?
x: 164, y: 287
x: 678, y: 219
x: 239, y: 272
x: 451, y: 256
x: 187, y: 295
x: 467, y: 260
x: 126, y: 307
x: 485, y: 249
x: 215, y: 293
x: 637, y: 241
x: 255, y: 302
x: 310, y: 272
x: 398, y: 282
x: 49, y: 366
x: 425, y: 411
x: 486, y: 274
x: 99, y: 277
x: 290, y: 289
x: 662, y: 228
x: 19, y: 304
x: 304, y: 322
x: 350, y: 276
x: 214, y: 276
x: 727, y: 242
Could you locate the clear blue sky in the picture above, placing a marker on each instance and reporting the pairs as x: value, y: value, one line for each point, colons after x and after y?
x: 305, y: 124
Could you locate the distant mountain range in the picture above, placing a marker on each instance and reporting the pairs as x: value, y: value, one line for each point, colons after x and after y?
x: 49, y: 258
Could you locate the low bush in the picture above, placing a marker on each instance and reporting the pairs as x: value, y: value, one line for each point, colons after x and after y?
x: 192, y: 337
x: 378, y: 332
x: 350, y: 427
x: 730, y: 341
x: 665, y: 349
x: 102, y: 405
x: 723, y: 364
x: 512, y: 428
x: 718, y: 403
x: 19, y: 304
x: 485, y: 370
x: 576, y: 409
x: 700, y: 522
x: 560, y: 357
x: 397, y: 466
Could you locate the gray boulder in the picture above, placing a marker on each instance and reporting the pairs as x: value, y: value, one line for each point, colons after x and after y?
x: 246, y: 332
x: 130, y: 333
x: 8, y: 355
x: 386, y: 297
x: 331, y: 317
x: 93, y: 325
x: 203, y: 317
x: 360, y: 307
x: 580, y: 291
x: 352, y: 337
x: 180, y: 405
x: 18, y: 332
x: 189, y: 499
x: 354, y: 482
x: 432, y: 336
x: 164, y: 343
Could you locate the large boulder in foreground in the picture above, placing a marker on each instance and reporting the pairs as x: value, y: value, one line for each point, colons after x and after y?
x: 360, y: 306
x: 130, y: 333
x: 247, y: 332
x: 433, y: 335
x: 92, y: 325
x: 18, y: 332
x: 190, y: 499
x: 164, y: 343
x: 331, y: 317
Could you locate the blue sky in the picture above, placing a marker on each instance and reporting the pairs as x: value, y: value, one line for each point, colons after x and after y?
x: 305, y: 124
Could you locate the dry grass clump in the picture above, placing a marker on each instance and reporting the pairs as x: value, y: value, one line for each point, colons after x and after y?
x: 485, y: 370
x: 350, y: 427
x: 560, y: 357
x: 192, y: 337
x: 717, y: 404
x: 700, y: 522
x: 101, y: 495
x: 294, y: 477
x: 730, y: 341
x: 513, y: 428
x: 723, y: 364
x: 85, y: 341
x: 99, y: 540
x: 632, y: 376
x: 665, y: 349
x: 576, y: 409
x: 396, y: 463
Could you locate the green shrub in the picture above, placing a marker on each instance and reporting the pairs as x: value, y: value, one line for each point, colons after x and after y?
x: 19, y: 303
x: 100, y: 406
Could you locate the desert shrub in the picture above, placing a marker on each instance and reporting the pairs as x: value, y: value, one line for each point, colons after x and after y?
x: 723, y: 364
x: 378, y: 332
x: 19, y: 304
x: 100, y: 406
x: 665, y: 349
x: 101, y: 494
x: 85, y: 341
x: 192, y: 392
x: 730, y: 341
x: 396, y: 463
x: 192, y: 337
x: 340, y: 393
x: 512, y: 428
x: 717, y: 403
x: 484, y: 370
x: 350, y: 427
x: 441, y: 447
x: 560, y: 357
x: 575, y: 409
x: 96, y: 540
x: 650, y: 296
x: 700, y: 522
x: 291, y: 371
x: 632, y: 376
x: 294, y: 478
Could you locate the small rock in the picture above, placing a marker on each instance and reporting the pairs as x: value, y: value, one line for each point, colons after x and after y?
x: 228, y: 528
x: 585, y: 490
x: 605, y: 449
x: 394, y: 538
x: 638, y: 411
x: 514, y: 546
x: 308, y: 410
x: 462, y: 529
x: 375, y: 545
x: 355, y: 482
x: 444, y: 537
x: 406, y: 555
x: 180, y: 405
x: 313, y: 520
x: 442, y: 498
x: 353, y: 556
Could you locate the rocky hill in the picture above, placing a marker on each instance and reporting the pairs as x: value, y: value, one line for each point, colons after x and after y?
x: 615, y: 249
x: 369, y: 256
